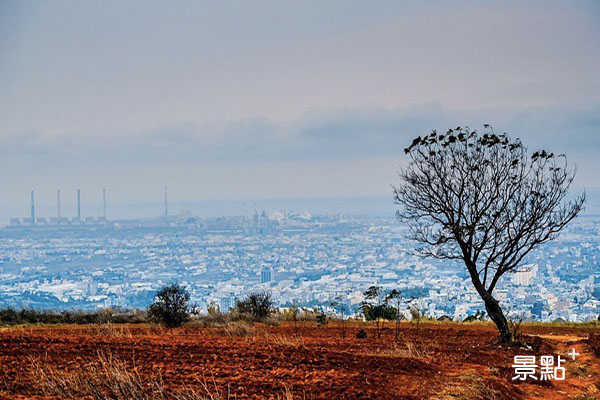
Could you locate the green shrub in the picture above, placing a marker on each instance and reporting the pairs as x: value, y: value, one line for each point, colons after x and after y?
x: 322, y: 318
x: 11, y: 316
x: 259, y: 305
x: 170, y: 306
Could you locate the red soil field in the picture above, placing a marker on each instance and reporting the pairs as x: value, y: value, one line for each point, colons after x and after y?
x: 432, y: 361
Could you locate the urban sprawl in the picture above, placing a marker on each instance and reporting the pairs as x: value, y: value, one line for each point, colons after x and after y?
x: 301, y: 259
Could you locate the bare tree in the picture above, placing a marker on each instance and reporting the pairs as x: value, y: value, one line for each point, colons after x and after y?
x: 339, y: 304
x: 416, y: 307
x: 396, y: 296
x: 483, y: 200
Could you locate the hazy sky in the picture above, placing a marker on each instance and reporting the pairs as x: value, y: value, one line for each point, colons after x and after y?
x: 279, y: 99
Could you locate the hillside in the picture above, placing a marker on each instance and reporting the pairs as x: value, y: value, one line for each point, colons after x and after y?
x: 432, y: 361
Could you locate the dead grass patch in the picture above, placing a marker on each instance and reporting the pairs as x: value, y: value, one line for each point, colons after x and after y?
x: 407, y: 349
x: 239, y: 328
x: 469, y: 386
x: 286, y: 340
x: 111, y: 330
x: 108, y: 378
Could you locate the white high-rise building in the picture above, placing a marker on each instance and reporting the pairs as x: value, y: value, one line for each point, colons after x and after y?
x: 227, y: 302
x: 267, y: 275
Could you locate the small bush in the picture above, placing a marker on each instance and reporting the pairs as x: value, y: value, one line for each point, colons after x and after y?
x: 322, y: 318
x: 362, y: 334
x: 10, y: 316
x: 259, y: 305
x: 479, y: 316
x: 170, y: 306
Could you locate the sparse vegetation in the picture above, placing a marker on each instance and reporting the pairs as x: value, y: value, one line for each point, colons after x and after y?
x: 515, y: 330
x: 162, y: 363
x: 107, y: 378
x: 375, y: 308
x: 110, y: 329
x: 416, y: 308
x: 361, y: 334
x: 407, y: 349
x: 478, y: 316
x: 294, y: 313
x: 341, y: 307
x: 9, y: 316
x: 287, y: 340
x: 322, y: 318
x: 395, y: 296
x: 238, y: 328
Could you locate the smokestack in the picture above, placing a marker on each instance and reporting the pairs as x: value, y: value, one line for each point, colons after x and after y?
x: 32, y: 209
x: 166, y: 204
x: 104, y: 203
x: 58, y: 202
x: 78, y: 204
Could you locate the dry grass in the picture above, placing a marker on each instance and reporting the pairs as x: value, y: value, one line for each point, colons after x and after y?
x: 577, y: 368
x: 108, y: 378
x: 469, y: 386
x: 586, y: 396
x: 407, y: 349
x: 236, y: 329
x: 111, y: 330
x: 286, y: 394
x: 286, y: 340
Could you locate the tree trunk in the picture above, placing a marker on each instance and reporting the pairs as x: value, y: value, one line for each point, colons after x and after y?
x: 495, y: 313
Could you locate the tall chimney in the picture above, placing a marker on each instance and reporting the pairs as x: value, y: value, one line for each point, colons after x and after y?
x: 166, y: 204
x: 104, y: 203
x: 58, y: 202
x: 78, y: 204
x: 32, y: 209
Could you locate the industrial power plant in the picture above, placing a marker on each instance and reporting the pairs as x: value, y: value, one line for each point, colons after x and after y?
x: 60, y: 220
x: 32, y: 220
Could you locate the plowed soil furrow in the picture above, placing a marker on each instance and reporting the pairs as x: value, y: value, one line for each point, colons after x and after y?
x: 432, y: 361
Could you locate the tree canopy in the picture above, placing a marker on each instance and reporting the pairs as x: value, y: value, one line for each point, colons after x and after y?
x: 482, y: 199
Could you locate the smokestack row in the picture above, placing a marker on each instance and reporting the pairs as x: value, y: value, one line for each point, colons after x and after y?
x: 59, y: 218
x: 32, y: 219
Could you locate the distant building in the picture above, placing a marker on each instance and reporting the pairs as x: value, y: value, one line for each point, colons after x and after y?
x: 91, y: 288
x: 267, y: 275
x: 526, y: 276
x: 228, y: 302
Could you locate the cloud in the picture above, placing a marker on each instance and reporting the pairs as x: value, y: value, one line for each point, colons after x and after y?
x: 336, y: 152
x: 342, y: 133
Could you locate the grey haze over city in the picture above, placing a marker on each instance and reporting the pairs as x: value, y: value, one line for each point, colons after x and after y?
x: 298, y: 109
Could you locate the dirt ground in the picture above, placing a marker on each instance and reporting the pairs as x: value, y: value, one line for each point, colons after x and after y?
x: 431, y: 361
